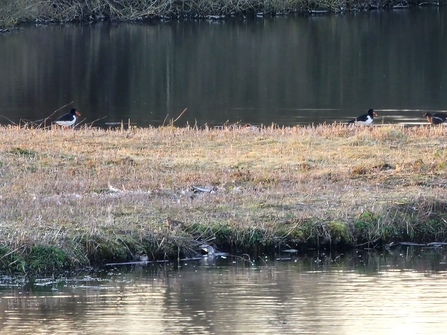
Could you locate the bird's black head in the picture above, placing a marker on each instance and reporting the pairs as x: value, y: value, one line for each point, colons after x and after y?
x: 372, y: 113
x: 427, y: 114
x: 75, y: 112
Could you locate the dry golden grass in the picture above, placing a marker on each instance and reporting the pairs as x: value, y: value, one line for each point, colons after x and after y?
x: 107, y: 193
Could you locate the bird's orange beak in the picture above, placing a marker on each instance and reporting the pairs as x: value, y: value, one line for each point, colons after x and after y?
x: 375, y: 114
x: 77, y: 113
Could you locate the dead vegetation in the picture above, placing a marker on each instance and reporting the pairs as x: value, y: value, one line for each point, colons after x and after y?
x: 13, y: 12
x: 88, y: 195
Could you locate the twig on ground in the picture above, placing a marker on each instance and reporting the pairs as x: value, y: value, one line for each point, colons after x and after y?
x: 8, y: 119
x: 91, y: 123
x: 178, y: 117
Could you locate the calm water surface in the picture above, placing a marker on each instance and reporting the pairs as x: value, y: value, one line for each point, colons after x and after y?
x: 288, y: 70
x: 399, y: 292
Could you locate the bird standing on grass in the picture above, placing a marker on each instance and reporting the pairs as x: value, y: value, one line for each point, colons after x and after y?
x: 365, y: 119
x: 436, y: 118
x: 68, y: 119
x: 174, y: 224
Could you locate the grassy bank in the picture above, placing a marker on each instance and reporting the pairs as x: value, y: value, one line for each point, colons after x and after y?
x: 13, y: 12
x: 70, y: 198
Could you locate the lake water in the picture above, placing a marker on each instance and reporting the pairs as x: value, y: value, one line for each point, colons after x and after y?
x: 402, y: 291
x: 287, y: 70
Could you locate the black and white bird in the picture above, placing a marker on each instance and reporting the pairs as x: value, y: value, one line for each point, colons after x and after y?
x: 365, y: 119
x: 436, y: 118
x: 68, y: 119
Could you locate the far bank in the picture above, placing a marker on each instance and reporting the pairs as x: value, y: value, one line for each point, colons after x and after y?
x: 13, y: 12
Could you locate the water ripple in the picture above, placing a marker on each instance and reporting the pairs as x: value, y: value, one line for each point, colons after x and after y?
x: 389, y: 296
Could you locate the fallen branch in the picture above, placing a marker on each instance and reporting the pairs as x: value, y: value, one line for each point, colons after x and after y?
x: 8, y: 119
x: 91, y: 123
x: 178, y: 117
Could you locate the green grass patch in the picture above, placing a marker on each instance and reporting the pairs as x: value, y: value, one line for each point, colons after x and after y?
x: 11, y: 261
x: 23, y: 152
x: 46, y: 260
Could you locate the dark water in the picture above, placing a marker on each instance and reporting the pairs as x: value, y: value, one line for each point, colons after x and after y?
x: 288, y: 70
x: 403, y: 291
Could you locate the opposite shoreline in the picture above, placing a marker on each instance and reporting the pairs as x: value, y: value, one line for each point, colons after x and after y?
x: 16, y: 12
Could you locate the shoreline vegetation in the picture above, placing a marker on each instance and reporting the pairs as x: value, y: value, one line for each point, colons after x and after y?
x: 14, y: 12
x: 73, y: 198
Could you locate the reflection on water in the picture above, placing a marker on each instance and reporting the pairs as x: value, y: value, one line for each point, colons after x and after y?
x: 288, y: 70
x: 404, y: 292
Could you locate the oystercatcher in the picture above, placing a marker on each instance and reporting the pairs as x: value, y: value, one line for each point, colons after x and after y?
x: 68, y: 119
x: 365, y: 119
x: 436, y: 118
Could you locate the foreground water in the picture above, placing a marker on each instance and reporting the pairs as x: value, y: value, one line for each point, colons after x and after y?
x: 397, y: 292
x: 287, y: 70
